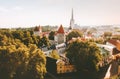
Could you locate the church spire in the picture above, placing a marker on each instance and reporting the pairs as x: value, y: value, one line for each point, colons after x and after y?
x: 72, y: 14
x: 71, y: 21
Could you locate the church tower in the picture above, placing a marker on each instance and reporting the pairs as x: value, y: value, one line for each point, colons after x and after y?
x: 38, y: 30
x: 71, y: 21
x: 60, y: 36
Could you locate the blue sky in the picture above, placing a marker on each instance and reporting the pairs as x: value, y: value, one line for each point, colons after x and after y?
x: 27, y: 13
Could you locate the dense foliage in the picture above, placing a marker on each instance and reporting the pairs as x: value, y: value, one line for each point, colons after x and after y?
x: 25, y: 36
x: 107, y: 34
x: 74, y: 34
x: 116, y: 37
x: 51, y: 35
x: 54, y: 54
x: 84, y: 55
x: 20, y: 58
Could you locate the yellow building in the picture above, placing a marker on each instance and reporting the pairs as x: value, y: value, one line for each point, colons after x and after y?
x: 63, y: 67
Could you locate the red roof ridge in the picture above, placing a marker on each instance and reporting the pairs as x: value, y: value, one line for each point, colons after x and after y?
x: 115, y: 43
x: 61, y: 29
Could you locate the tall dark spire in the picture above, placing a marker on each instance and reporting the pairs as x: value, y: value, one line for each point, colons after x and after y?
x: 71, y: 21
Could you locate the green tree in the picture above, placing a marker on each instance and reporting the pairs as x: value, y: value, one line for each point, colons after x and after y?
x: 11, y: 59
x: 27, y: 33
x: 84, y: 55
x: 107, y: 34
x: 18, y: 61
x: 19, y: 58
x: 92, y: 30
x: 27, y: 40
x: 54, y: 54
x: 3, y: 39
x: 116, y: 37
x: 75, y: 34
x: 35, y: 39
x: 36, y: 64
x: 18, y: 34
x: 44, y: 41
x: 99, y: 41
x: 51, y: 35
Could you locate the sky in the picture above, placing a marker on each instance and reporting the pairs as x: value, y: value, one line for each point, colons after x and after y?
x: 28, y: 13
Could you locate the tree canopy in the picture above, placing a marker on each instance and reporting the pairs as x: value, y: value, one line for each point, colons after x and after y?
x: 84, y: 55
x: 54, y: 54
x: 75, y: 34
x: 20, y: 59
x: 51, y: 35
x: 107, y: 34
x: 21, y: 62
x: 25, y: 36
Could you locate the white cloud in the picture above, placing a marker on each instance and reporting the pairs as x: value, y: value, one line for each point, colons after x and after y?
x: 17, y: 8
x: 3, y: 9
x: 10, y: 9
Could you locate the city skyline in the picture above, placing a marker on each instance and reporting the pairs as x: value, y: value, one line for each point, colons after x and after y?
x: 28, y: 13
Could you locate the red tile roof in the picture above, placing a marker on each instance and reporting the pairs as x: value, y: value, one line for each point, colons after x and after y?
x: 115, y: 43
x: 61, y: 30
x: 45, y: 33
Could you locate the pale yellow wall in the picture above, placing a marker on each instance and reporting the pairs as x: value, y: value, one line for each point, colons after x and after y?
x: 60, y: 38
x: 65, y: 68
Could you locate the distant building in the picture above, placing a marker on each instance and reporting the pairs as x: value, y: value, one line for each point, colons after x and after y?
x: 64, y: 66
x: 115, y: 43
x: 60, y: 35
x: 60, y: 66
x: 61, y: 48
x: 38, y: 30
